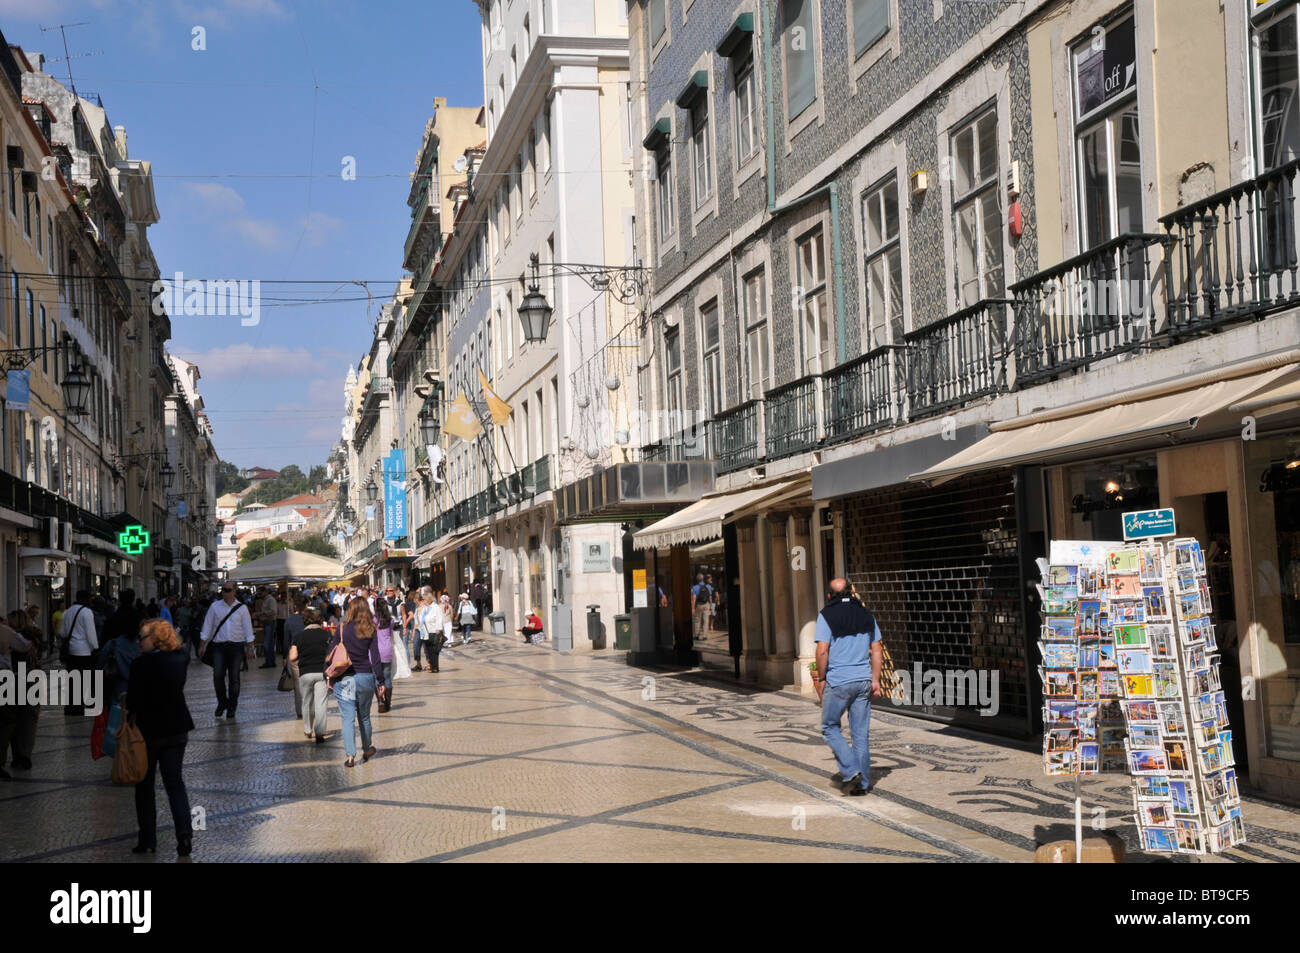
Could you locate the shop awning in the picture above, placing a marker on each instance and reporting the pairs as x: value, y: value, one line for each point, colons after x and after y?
x: 1277, y: 398
x: 702, y: 521
x: 287, y: 564
x: 1104, y: 430
x: 449, y: 545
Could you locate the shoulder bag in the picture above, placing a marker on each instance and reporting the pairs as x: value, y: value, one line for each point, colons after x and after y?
x: 131, y: 760
x: 203, y: 649
x: 337, y: 662
x: 65, y: 642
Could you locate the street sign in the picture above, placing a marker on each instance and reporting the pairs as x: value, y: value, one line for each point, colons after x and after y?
x: 1147, y: 524
x: 133, y: 540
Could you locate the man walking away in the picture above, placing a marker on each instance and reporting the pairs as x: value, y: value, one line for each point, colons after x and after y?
x: 267, y: 607
x: 228, y: 633
x: 701, y: 605
x: 848, y: 677
x: 78, y: 642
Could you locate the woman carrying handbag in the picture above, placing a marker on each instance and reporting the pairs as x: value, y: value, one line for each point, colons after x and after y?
x: 155, y: 699
x: 351, y: 665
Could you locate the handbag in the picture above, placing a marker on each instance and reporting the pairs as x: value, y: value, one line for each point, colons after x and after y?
x: 111, y: 728
x: 285, y: 684
x: 131, y: 760
x: 337, y: 662
x: 204, y: 657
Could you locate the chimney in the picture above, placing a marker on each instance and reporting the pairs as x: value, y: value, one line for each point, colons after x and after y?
x: 119, y: 134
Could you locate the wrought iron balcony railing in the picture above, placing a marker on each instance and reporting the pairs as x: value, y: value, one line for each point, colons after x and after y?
x: 959, y: 359
x: 862, y: 396
x: 737, y: 436
x: 792, y: 414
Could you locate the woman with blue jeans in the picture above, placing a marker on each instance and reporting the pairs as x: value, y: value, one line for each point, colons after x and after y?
x: 355, y: 689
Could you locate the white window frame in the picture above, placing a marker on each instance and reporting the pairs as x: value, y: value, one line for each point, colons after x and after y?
x: 761, y: 324
x: 674, y: 389
x: 974, y: 197
x: 889, y: 42
x: 889, y: 247
x: 702, y: 184
x: 711, y: 362
x: 664, y: 40
x: 820, y: 357
x: 814, y: 112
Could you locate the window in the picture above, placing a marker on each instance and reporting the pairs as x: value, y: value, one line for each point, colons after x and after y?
x: 758, y: 371
x: 27, y: 215
x: 884, y: 263
x: 517, y: 188
x: 673, y: 375
x: 702, y: 175
x: 798, y: 41
x: 18, y: 309
x: 36, y: 200
x: 743, y: 71
x: 815, y: 340
x: 1106, y: 134
x: 1278, y: 81
x: 711, y: 366
x: 665, y: 194
x: 658, y: 20
x: 503, y: 203
x: 870, y: 23
x: 45, y: 340
x: 532, y: 163
x: 977, y: 213
x: 13, y: 191
x: 31, y: 324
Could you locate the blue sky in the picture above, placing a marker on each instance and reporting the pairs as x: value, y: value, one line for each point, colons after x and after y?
x: 247, y: 141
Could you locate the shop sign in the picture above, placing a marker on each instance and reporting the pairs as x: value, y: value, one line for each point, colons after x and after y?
x: 639, y: 595
x: 1148, y: 524
x: 133, y: 540
x: 595, y: 557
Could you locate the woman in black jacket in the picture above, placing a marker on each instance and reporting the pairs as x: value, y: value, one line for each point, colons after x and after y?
x: 155, y: 695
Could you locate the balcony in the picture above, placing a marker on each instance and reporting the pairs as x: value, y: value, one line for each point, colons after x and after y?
x: 691, y: 443
x: 736, y: 436
x: 1094, y: 305
x: 1233, y: 255
x: 861, y: 396
x: 793, y: 415
x: 417, y: 227
x: 959, y: 359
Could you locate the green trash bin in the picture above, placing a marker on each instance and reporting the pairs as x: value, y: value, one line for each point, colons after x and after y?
x: 623, y: 633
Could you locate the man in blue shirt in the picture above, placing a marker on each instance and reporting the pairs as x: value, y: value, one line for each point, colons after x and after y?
x: 847, y: 678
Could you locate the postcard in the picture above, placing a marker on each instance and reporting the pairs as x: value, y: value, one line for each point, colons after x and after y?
x: 1230, y: 781
x: 1216, y: 679
x: 1211, y: 757
x: 1189, y: 605
x: 1162, y: 839
x: 1216, y: 786
x: 1144, y: 736
x: 1185, y: 581
x: 1129, y: 612
x: 1172, y: 722
x: 1183, y: 554
x: 1195, y: 658
x: 1183, y: 793
x: 1106, y: 654
x: 1126, y: 587
x: 1089, y: 583
x: 1061, y: 630
x: 1153, y: 787
x: 1133, y: 660
x: 1225, y: 740
x: 1089, y: 617
x: 1193, y: 631
x: 1220, y: 710
x: 1060, y: 684
x: 1138, y: 686
x: 1061, y: 655
x: 1161, y: 635
x: 1166, y: 680
x: 1063, y: 575
x: 1155, y: 814
x: 1203, y: 708
x: 1217, y: 812
x: 1206, y: 606
x: 1122, y: 561
x: 1131, y: 636
x: 1157, y: 606
x: 1180, y: 761
x: 1199, y: 682
x: 1188, y: 837
x: 1113, y: 759
x: 1207, y: 633
x: 1111, y: 711
x: 1061, y: 600
x: 1106, y: 624
x: 1198, y: 558
x: 1113, y: 736
x: 1147, y: 761
x: 1141, y: 712
x: 1089, y: 687
x: 1109, y: 684
x: 1238, y: 826
x: 1062, y: 739
x: 1151, y: 563
x: 1089, y: 758
x: 1060, y: 713
x: 1087, y: 722
x: 1089, y: 653
x: 1061, y: 762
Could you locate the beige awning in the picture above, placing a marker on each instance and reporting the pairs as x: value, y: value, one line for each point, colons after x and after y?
x: 288, y: 564
x: 1106, y: 429
x: 448, y: 545
x: 702, y: 521
x: 1277, y: 398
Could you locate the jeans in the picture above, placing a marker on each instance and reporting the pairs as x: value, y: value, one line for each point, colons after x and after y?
x: 165, y: 754
x: 226, y: 660
x: 313, y: 695
x: 269, y: 640
x: 466, y: 628
x: 416, y: 643
x: 856, y: 698
x: 356, y: 710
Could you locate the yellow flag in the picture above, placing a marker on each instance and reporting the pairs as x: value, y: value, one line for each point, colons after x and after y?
x: 499, y: 408
x: 461, y: 420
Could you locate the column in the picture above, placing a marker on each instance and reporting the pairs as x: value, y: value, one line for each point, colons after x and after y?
x: 782, y: 590
x: 804, y: 603
x: 751, y: 597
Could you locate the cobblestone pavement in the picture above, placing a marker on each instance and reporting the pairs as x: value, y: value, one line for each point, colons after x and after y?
x: 518, y: 753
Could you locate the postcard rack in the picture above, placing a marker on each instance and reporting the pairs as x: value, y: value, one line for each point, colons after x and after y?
x: 1131, y: 684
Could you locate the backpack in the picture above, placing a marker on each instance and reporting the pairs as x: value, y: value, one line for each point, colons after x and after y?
x: 703, y: 595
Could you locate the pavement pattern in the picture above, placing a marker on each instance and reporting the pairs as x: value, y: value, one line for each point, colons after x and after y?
x: 520, y: 753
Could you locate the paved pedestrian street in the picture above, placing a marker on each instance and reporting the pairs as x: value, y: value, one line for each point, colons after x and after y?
x: 519, y: 753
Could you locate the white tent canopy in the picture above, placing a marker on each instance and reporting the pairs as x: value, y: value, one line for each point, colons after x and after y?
x: 288, y: 564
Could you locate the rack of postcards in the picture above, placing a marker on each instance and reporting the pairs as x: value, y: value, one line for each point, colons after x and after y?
x: 1131, y: 683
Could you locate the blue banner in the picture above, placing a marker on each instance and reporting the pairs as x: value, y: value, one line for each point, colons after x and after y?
x: 182, y: 509
x: 1146, y: 524
x: 395, y: 494
x: 18, y: 392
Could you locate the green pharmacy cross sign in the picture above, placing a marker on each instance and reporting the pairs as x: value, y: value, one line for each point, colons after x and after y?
x: 133, y: 540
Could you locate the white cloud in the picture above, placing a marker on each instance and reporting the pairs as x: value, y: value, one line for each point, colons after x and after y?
x: 34, y: 10
x: 245, y: 361
x: 319, y: 228
x: 227, y: 207
x: 223, y: 12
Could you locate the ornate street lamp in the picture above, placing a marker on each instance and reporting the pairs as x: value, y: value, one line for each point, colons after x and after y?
x: 76, y: 391
x: 372, y: 491
x: 429, y: 424
x: 534, y: 312
x: 203, y: 510
x: 168, y: 475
